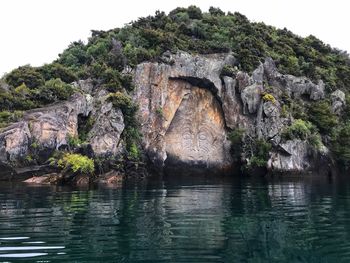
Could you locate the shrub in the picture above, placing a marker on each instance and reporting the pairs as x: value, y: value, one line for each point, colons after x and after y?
x: 236, y: 135
x: 214, y: 11
x: 321, y: 115
x: 76, y: 163
x: 25, y: 74
x: 131, y: 132
x: 299, y: 129
x: 134, y: 152
x: 194, y: 12
x: 7, y: 117
x: 73, y: 141
x: 269, y: 97
x: 228, y: 71
x: 22, y: 90
x: 341, y: 144
x: 55, y: 90
x: 303, y: 130
x: 55, y: 71
x: 260, y: 153
x: 121, y: 100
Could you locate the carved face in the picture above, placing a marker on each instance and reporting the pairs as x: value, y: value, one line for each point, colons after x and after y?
x: 198, y: 140
x: 197, y: 129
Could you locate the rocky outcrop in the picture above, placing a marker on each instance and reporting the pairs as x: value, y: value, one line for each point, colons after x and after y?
x: 251, y: 98
x: 292, y: 156
x: 180, y: 110
x: 295, y: 87
x: 338, y: 101
x: 48, y: 129
x: 186, y: 111
x: 105, y: 134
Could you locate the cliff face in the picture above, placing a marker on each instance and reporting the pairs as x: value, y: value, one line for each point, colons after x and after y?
x: 187, y: 109
x: 180, y: 111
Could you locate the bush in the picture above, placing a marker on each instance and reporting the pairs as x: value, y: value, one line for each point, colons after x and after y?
x: 321, y: 115
x: 121, y: 100
x: 55, y: 90
x: 73, y: 141
x: 299, y: 129
x: 341, y: 144
x: 235, y: 137
x: 25, y: 74
x: 7, y: 117
x: 131, y: 133
x: 303, y: 130
x: 76, y: 163
x: 228, y: 71
x: 57, y: 71
x: 194, y: 12
x: 269, y: 97
x: 260, y: 154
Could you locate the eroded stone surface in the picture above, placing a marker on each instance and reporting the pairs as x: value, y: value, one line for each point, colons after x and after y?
x: 105, y: 134
x: 170, y: 98
x: 338, y: 101
x: 197, y: 132
x: 293, y: 156
x: 46, y: 128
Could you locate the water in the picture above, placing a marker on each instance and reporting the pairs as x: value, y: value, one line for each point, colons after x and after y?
x: 192, y: 220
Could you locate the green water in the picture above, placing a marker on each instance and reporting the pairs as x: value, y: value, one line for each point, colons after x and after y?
x: 187, y: 220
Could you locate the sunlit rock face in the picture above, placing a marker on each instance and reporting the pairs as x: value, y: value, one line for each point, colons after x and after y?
x: 197, y: 132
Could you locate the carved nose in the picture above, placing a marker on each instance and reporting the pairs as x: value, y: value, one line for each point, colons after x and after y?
x: 195, y: 144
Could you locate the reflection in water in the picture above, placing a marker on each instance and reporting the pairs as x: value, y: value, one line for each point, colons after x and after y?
x: 224, y: 221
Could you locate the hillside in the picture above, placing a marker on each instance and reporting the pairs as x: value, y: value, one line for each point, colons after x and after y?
x: 110, y: 57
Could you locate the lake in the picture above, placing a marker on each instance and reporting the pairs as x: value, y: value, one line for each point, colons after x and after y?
x: 178, y: 220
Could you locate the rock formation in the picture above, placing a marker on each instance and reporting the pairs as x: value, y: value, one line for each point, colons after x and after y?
x: 186, y: 109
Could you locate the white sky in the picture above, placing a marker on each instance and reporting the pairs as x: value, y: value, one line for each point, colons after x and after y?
x: 36, y: 31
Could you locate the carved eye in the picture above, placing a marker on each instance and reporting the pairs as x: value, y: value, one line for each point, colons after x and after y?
x: 202, y: 136
x: 186, y: 136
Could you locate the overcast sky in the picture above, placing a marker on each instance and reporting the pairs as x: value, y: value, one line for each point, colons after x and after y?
x: 36, y: 31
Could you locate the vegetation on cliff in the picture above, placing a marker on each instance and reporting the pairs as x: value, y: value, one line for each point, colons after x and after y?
x: 108, y: 57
